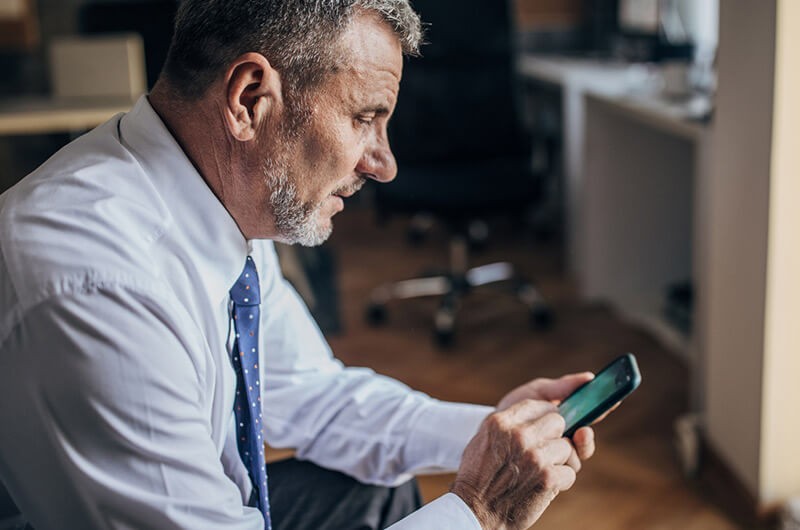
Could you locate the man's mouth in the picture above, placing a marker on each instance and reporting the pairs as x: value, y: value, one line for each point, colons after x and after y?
x: 349, y: 190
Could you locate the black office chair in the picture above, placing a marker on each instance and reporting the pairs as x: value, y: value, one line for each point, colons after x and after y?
x: 461, y: 152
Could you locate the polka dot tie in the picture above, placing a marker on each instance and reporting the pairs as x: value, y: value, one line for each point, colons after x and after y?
x: 245, y: 298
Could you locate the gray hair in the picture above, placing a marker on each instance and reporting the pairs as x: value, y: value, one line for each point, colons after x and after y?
x: 298, y: 37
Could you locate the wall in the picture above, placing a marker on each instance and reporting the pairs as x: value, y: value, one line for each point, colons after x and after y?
x: 753, y: 340
x: 780, y: 429
x: 738, y: 224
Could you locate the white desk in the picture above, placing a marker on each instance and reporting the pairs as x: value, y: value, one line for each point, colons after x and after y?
x: 575, y: 77
x: 636, y: 194
x: 643, y: 204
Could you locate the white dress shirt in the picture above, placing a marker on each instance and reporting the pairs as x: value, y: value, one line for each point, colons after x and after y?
x: 116, y: 387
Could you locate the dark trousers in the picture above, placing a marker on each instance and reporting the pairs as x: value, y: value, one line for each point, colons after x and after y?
x: 304, y: 496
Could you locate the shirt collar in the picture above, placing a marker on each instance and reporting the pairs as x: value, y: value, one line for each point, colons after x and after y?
x: 214, y: 242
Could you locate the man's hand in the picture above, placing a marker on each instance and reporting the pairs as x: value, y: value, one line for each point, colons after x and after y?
x: 516, y: 465
x: 519, y: 461
x: 554, y: 391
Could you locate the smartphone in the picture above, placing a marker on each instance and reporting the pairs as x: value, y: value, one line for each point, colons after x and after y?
x: 593, y: 399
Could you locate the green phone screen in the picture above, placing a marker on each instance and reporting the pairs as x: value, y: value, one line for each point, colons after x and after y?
x: 613, y: 383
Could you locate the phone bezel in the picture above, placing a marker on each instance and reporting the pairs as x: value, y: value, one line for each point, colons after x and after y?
x: 621, y: 392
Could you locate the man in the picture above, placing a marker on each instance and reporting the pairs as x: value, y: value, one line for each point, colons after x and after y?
x: 146, y: 334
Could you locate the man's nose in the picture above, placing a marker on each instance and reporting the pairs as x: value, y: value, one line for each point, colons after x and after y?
x: 378, y: 164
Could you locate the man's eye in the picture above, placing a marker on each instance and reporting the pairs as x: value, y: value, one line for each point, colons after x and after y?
x: 365, y: 120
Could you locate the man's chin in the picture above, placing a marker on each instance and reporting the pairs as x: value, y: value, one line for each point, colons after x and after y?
x: 313, y: 237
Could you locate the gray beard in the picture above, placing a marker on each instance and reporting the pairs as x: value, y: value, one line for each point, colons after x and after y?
x: 296, y: 222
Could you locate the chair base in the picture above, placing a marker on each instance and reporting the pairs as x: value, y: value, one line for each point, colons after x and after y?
x: 452, y: 287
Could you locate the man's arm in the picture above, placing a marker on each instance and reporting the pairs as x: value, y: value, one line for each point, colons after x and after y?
x: 357, y: 422
x: 348, y: 419
x: 353, y: 420
x: 380, y: 431
x: 105, y: 418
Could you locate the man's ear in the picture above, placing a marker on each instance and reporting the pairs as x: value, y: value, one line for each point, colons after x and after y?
x: 253, y: 92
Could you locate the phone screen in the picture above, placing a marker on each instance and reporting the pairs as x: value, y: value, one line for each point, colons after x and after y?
x: 591, y: 400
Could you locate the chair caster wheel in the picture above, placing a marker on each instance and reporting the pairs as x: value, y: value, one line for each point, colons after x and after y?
x: 443, y: 338
x: 444, y: 327
x: 418, y: 229
x: 478, y: 236
x: 416, y: 236
x: 541, y: 317
x: 376, y: 314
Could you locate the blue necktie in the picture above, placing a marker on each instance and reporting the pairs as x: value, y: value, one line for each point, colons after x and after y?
x: 246, y: 298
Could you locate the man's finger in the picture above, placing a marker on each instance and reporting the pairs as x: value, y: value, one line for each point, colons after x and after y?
x: 562, y: 477
x: 558, y: 389
x: 527, y: 411
x: 556, y: 452
x: 545, y: 389
x: 548, y: 427
x: 583, y: 439
x: 574, y: 460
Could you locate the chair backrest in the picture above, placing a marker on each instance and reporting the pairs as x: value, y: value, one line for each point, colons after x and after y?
x: 457, y: 101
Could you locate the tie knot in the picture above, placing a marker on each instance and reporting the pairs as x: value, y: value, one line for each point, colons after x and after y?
x: 246, y: 290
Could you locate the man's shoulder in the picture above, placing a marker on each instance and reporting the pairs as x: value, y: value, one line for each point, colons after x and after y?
x: 94, y: 178
x: 89, y: 210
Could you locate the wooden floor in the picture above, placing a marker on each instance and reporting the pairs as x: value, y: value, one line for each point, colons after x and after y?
x: 634, y: 481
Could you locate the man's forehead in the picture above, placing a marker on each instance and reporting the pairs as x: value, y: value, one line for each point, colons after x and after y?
x: 370, y: 44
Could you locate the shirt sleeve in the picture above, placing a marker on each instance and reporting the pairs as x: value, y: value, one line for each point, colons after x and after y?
x: 348, y: 419
x: 448, y: 512
x: 110, y: 428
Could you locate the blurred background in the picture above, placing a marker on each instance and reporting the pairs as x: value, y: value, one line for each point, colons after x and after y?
x: 577, y: 179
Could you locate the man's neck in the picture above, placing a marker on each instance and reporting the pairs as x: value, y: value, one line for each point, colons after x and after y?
x: 195, y: 133
x: 224, y: 163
